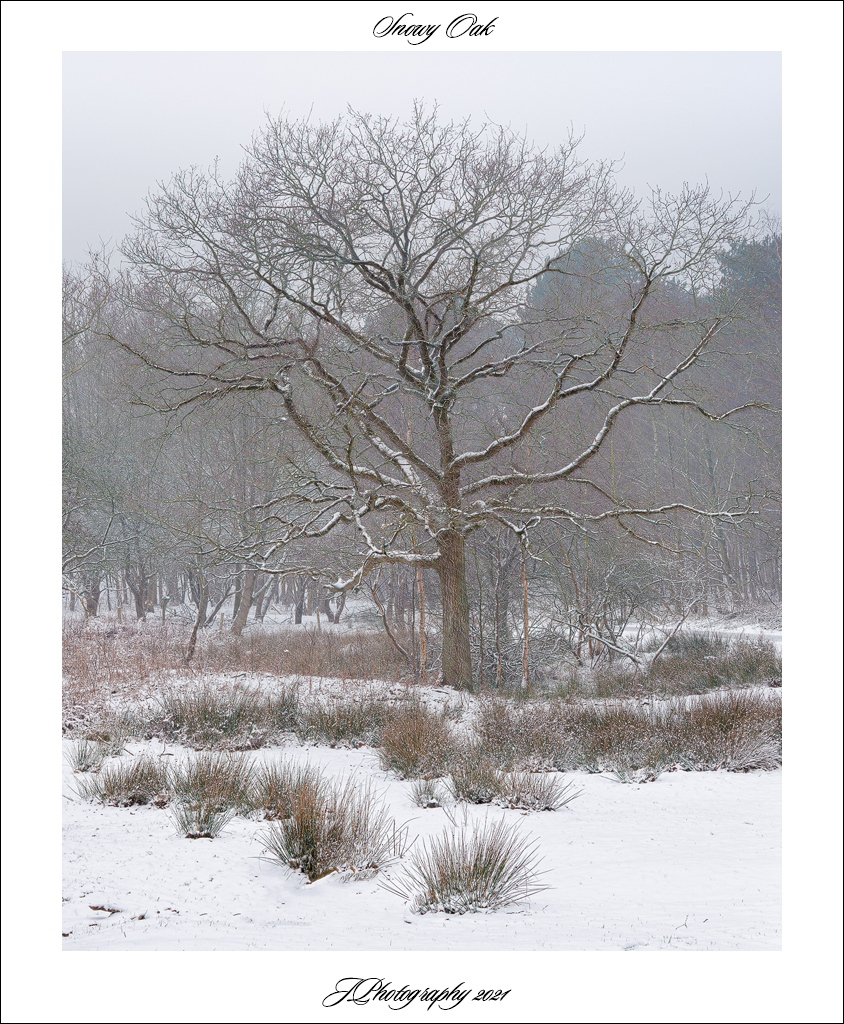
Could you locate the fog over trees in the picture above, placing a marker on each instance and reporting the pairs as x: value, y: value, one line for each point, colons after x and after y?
x: 513, y: 406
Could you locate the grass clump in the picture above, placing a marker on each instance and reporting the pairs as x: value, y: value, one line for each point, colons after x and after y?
x: 143, y: 780
x: 532, y: 736
x: 340, y: 828
x: 206, y: 718
x: 416, y: 742
x: 736, y: 730
x: 475, y: 777
x: 110, y: 732
x: 426, y: 793
x: 342, y: 721
x: 281, y: 710
x: 86, y: 755
x: 536, y: 792
x: 213, y: 718
x: 467, y: 870
x: 208, y: 791
x: 278, y: 788
x: 699, y: 645
x: 202, y: 820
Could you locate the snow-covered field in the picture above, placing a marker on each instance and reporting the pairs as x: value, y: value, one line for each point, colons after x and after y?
x: 689, y: 862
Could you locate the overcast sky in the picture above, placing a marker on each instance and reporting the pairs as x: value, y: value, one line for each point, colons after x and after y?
x: 131, y: 119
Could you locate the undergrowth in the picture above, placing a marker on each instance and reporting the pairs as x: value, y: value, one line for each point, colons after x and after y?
x: 738, y: 730
x: 416, y: 742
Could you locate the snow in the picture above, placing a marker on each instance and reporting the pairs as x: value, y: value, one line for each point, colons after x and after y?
x: 690, y: 862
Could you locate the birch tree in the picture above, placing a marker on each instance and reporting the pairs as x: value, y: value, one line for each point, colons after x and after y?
x: 368, y: 275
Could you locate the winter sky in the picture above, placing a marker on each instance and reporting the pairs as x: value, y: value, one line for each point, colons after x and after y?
x: 132, y: 119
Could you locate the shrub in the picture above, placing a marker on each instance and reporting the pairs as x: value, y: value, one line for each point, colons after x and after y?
x: 142, y: 780
x: 416, y: 742
x: 339, y: 828
x: 485, y: 868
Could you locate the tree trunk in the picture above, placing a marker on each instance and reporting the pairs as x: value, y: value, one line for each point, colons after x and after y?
x: 92, y: 596
x: 423, y: 642
x: 457, y: 655
x: 201, y: 611
x: 238, y: 593
x: 209, y: 619
x: 525, y: 622
x: 262, y: 599
x: 298, y: 602
x: 239, y: 620
x: 137, y: 588
x: 201, y: 600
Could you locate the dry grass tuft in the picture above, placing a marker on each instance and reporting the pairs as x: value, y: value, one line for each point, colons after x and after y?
x: 142, y: 780
x: 278, y: 788
x: 208, y: 791
x: 339, y: 828
x: 536, y: 792
x: 426, y: 793
x: 469, y: 870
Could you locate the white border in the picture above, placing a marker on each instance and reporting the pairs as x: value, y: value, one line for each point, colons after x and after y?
x: 795, y: 985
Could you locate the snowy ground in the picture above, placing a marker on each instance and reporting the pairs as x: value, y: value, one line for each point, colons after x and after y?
x: 689, y: 862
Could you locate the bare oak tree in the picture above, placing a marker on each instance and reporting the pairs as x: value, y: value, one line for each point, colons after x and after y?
x: 371, y: 278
